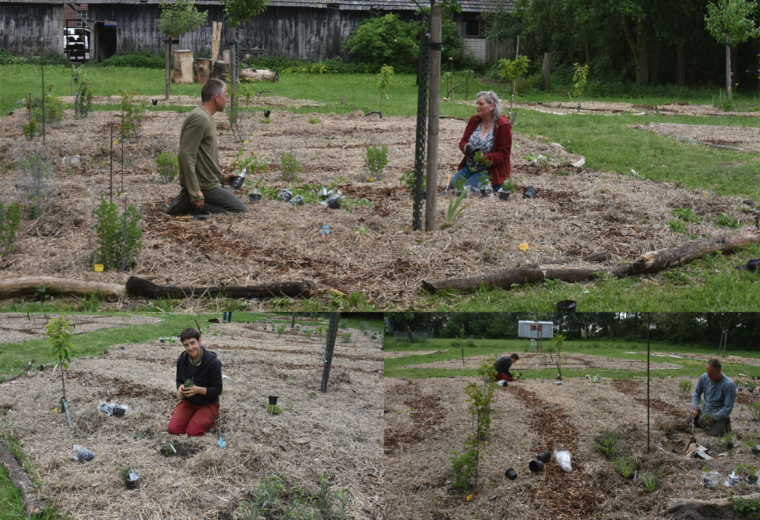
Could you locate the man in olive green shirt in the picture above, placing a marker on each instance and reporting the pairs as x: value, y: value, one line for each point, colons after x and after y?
x: 199, y: 173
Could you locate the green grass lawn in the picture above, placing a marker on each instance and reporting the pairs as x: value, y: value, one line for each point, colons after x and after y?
x: 393, y: 367
x: 607, y: 142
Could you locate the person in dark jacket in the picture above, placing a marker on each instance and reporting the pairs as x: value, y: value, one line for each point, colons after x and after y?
x: 199, y: 406
x: 502, y: 367
x: 490, y: 132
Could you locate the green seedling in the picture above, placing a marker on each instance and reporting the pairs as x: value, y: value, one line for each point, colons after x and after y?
x: 189, y: 383
x: 650, y: 480
x: 124, y: 472
x: 274, y: 409
x: 684, y: 389
x: 607, y: 443
x: 624, y: 465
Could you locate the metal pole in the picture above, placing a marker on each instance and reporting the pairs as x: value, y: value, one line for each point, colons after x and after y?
x: 649, y: 318
x: 431, y: 194
x: 514, y: 85
x: 419, y: 149
x: 122, y: 150
x: 330, y: 347
x: 42, y: 68
x: 110, y: 184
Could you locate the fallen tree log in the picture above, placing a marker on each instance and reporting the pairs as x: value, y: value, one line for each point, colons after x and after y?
x: 32, y: 504
x: 651, y: 262
x: 678, y: 505
x: 145, y: 288
x: 602, y: 256
x: 659, y: 260
x: 32, y: 285
x: 253, y: 75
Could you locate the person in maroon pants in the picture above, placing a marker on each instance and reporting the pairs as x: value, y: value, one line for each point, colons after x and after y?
x: 502, y: 367
x: 199, y: 406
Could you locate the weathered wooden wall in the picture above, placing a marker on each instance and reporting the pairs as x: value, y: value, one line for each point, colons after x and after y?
x: 298, y: 33
x: 20, y: 27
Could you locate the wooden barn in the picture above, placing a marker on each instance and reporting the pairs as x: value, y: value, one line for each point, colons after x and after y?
x: 299, y: 29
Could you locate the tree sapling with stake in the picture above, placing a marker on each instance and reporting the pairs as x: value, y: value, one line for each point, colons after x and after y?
x: 58, y: 330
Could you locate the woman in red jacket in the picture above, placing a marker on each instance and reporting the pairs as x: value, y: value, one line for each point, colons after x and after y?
x: 490, y: 132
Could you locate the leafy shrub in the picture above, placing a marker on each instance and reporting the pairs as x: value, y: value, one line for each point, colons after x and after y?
x: 686, y: 214
x: 376, y: 159
x: 10, y: 217
x: 726, y: 221
x: 119, y: 236
x: 751, y: 440
x: 290, y: 167
x: 746, y: 507
x: 684, y: 389
x: 52, y: 116
x: 168, y: 166
x: 133, y: 115
x: 140, y: 59
x: 755, y: 409
x: 463, y: 467
x: 280, y: 330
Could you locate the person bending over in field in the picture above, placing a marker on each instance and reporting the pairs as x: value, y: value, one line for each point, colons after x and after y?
x: 199, y: 173
x: 502, y: 367
x: 719, y: 394
x: 199, y: 385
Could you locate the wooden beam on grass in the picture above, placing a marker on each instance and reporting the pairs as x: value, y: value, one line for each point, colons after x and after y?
x: 33, y: 285
x: 31, y: 502
x: 147, y: 289
x: 706, y: 506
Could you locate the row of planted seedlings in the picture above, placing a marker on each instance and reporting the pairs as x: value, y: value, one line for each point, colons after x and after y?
x: 610, y: 444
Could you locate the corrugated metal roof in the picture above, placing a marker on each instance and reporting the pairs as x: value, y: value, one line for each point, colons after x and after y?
x: 468, y: 6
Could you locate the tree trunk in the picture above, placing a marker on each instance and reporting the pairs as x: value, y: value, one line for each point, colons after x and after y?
x: 728, y: 66
x: 183, y: 67
x: 637, y: 41
x: 141, y: 287
x: 202, y: 70
x: 680, y: 65
x: 431, y: 193
x: 168, y: 52
x: 587, y: 48
x: 32, y: 504
x: 547, y: 69
x: 704, y: 506
x: 253, y: 75
x: 29, y: 286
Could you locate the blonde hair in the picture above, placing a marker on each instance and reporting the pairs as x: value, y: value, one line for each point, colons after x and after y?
x: 490, y: 97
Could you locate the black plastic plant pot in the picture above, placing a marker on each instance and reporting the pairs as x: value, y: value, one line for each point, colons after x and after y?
x: 155, y: 102
x: 254, y: 197
x: 535, y: 466
x: 118, y: 411
x: 756, y: 452
x: 504, y: 195
x: 567, y: 306
x: 132, y: 484
x: 272, y: 399
x: 267, y: 113
x: 510, y: 474
x: 544, y: 456
x: 530, y: 193
x: 751, y: 265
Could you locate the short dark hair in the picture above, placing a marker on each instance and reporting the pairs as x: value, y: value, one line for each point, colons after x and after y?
x: 212, y: 88
x: 515, y: 356
x: 189, y: 333
x: 715, y: 363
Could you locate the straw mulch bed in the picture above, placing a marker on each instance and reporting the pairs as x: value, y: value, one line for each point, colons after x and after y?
x: 371, y: 249
x: 741, y: 138
x: 17, y: 327
x: 532, y: 416
x: 338, y: 433
x: 600, y: 107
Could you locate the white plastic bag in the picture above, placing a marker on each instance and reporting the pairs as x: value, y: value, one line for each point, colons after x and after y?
x: 82, y: 454
x: 732, y: 480
x: 114, y: 408
x: 562, y: 456
x: 709, y: 479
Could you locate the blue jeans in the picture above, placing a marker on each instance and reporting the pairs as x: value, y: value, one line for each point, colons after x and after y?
x: 472, y: 179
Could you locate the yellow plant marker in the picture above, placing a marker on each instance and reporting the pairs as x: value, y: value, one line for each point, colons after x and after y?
x: 524, y: 246
x: 246, y: 141
x: 469, y: 497
x: 99, y: 268
x: 55, y: 410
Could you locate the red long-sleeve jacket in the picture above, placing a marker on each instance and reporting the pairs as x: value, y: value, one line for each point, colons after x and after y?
x: 500, y: 169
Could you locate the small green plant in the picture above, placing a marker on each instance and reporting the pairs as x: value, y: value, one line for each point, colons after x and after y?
x: 508, y: 185
x: 755, y: 409
x: 723, y: 102
x: 624, y: 465
x: 751, y: 440
x: 274, y: 498
x: 455, y: 207
x: 290, y: 167
x: 346, y: 337
x: 677, y: 226
x: 510, y: 70
x: 726, y: 221
x: 124, y: 472
x: 746, y: 470
x: 132, y: 113
x: 376, y: 159
x: 479, y: 159
x: 188, y: 383
x: 687, y: 215
x: 747, y: 508
x: 10, y: 218
x: 563, y: 173
x: 727, y: 440
x: 58, y: 331
x: 607, y: 443
x: 385, y: 77
x: 580, y: 80
x: 83, y: 98
x: 252, y: 163
x: 463, y: 468
x: 119, y: 236
x: 650, y: 479
x: 274, y: 409
x: 168, y: 166
x: 684, y: 389
x: 313, y: 120
x: 308, y: 333
x: 408, y: 179
x: 168, y: 449
x: 280, y: 330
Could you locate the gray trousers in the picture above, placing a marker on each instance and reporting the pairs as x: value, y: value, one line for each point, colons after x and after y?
x: 216, y: 200
x: 716, y: 429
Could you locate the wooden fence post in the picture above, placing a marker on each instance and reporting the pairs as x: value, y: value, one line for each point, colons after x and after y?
x: 431, y: 193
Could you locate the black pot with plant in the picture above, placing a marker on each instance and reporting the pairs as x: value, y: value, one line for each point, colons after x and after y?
x: 129, y: 476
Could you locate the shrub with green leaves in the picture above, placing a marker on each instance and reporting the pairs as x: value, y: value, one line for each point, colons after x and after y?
x: 684, y: 389
x: 10, y: 218
x: 133, y: 115
x: 168, y: 166
x: 751, y: 440
x: 755, y: 409
x: 290, y: 167
x: 463, y: 468
x: 274, y: 498
x: 376, y: 159
x: 747, y: 508
x: 58, y: 330
x: 280, y: 330
x: 686, y: 214
x: 726, y: 221
x: 119, y: 236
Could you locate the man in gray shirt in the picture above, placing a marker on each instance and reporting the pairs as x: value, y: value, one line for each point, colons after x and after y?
x: 719, y: 394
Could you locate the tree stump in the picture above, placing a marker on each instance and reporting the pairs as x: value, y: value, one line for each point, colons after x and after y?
x: 221, y: 70
x: 183, y: 67
x: 226, y: 56
x: 202, y: 70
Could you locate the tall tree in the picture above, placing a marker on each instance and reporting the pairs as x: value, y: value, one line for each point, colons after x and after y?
x: 176, y: 19
x: 729, y: 20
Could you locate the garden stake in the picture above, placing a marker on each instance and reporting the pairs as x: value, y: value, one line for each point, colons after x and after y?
x: 110, y: 187
x: 419, y: 149
x: 514, y: 85
x: 65, y: 406
x: 649, y: 317
x: 122, y: 152
x: 42, y: 68
x: 329, y: 348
